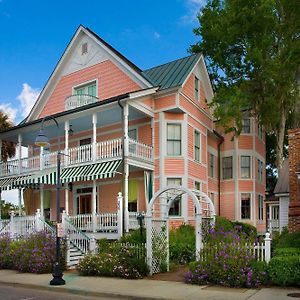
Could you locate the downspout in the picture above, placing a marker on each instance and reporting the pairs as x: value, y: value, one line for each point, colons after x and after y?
x: 221, y: 140
x: 123, y: 159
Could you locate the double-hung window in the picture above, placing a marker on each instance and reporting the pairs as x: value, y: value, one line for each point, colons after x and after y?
x: 260, y: 207
x: 245, y: 166
x: 87, y: 89
x: 246, y: 125
x: 260, y: 131
x: 196, y: 83
x: 211, y: 165
x: 197, y: 145
x: 175, y: 208
x: 260, y: 170
x: 227, y: 167
x: 245, y: 206
x: 173, y: 139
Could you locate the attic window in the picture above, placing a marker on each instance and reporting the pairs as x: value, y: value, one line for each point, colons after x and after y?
x: 84, y: 48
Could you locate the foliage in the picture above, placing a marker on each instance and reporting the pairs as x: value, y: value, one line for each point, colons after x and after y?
x: 285, y: 270
x: 223, y: 224
x: 287, y: 252
x: 121, y: 263
x: 248, y: 229
x: 8, y: 148
x: 134, y: 236
x: 7, y: 208
x: 34, y: 254
x: 252, y: 50
x: 182, y: 245
x: 287, y: 240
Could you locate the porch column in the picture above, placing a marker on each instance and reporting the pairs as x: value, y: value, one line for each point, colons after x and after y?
x: 19, y: 151
x: 41, y: 158
x: 67, y: 199
x: 270, y: 218
x: 126, y: 167
x: 94, y: 200
x: 20, y: 201
x: 94, y: 136
x: 66, y: 157
x: 42, y: 199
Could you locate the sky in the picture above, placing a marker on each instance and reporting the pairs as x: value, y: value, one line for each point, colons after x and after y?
x: 34, y: 34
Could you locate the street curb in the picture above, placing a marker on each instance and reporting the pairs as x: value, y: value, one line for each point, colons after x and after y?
x: 82, y: 292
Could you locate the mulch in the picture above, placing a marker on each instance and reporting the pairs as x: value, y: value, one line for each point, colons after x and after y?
x: 176, y: 274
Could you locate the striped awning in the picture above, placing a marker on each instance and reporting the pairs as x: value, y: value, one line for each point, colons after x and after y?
x: 6, y: 182
x: 90, y: 172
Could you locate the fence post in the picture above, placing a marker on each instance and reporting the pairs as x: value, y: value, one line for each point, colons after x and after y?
x: 93, y: 245
x: 12, y: 225
x: 37, y: 220
x: 120, y: 214
x: 267, y: 247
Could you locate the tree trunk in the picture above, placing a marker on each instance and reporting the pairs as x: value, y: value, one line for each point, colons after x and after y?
x: 280, y: 141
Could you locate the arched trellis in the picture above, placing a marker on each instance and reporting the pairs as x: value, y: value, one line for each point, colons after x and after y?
x: 157, y: 228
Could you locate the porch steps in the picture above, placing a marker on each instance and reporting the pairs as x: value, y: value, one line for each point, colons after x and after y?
x: 74, y: 256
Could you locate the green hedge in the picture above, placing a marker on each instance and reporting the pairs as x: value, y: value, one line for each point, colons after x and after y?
x: 287, y: 240
x: 285, y: 270
x: 287, y: 252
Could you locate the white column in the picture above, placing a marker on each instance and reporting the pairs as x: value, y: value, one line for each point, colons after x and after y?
x: 126, y: 167
x: 94, y: 199
x: 20, y: 151
x: 67, y: 199
x: 94, y: 135
x: 66, y: 158
x: 41, y: 158
x: 42, y: 199
x: 120, y: 214
x: 267, y: 247
x: 20, y: 201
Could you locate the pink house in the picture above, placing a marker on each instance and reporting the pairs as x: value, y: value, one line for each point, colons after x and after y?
x: 123, y: 129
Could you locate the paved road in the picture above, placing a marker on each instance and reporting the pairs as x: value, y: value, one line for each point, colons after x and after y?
x: 17, y: 293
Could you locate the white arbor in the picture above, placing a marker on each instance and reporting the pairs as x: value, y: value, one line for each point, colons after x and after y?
x: 157, y: 223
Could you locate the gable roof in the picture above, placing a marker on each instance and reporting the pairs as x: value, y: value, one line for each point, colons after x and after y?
x: 282, y: 185
x: 171, y: 74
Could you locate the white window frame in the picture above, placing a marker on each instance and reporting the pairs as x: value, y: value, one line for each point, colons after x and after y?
x: 231, y: 177
x: 180, y: 200
x: 168, y: 139
x: 260, y: 170
x: 197, y: 88
x: 196, y: 149
x: 260, y: 206
x: 245, y: 167
x: 250, y: 206
x: 243, y: 126
x: 86, y: 83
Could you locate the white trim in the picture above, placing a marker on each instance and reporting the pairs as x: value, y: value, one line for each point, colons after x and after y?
x: 86, y: 83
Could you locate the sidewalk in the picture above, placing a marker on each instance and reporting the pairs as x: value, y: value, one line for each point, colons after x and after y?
x: 139, y: 289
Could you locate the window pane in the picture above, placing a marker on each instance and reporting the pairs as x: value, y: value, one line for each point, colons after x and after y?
x: 245, y: 166
x: 227, y: 167
x: 246, y: 125
x: 173, y: 139
x: 175, y: 209
x: 92, y: 90
x: 196, y: 88
x: 245, y: 206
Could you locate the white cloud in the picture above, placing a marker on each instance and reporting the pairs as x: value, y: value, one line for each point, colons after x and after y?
x: 27, y: 98
x: 193, y: 8
x: 156, y: 35
x: 9, y: 111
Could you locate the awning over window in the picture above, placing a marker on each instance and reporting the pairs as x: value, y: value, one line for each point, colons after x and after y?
x: 91, y: 172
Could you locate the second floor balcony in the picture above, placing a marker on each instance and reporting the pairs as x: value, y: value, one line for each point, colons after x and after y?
x: 86, y: 154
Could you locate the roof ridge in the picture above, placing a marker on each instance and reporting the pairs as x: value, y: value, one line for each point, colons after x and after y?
x: 172, y: 61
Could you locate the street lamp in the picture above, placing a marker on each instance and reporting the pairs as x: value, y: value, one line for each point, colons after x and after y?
x: 43, y: 141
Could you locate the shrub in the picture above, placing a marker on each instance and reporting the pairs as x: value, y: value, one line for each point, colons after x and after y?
x: 223, y: 224
x: 115, y: 260
x: 287, y: 252
x: 6, y: 260
x: 285, y: 270
x: 182, y: 245
x: 288, y: 240
x: 248, y: 229
x: 134, y: 236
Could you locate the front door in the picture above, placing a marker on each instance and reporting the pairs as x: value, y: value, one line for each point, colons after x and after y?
x: 85, y: 204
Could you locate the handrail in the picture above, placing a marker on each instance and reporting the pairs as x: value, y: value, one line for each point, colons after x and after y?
x: 78, y: 100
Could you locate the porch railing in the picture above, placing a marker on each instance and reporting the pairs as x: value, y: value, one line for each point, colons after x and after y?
x: 105, y: 150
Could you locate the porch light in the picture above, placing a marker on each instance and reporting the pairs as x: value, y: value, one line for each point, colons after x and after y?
x: 43, y: 141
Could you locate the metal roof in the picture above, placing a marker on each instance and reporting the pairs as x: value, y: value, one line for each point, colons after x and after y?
x: 171, y: 74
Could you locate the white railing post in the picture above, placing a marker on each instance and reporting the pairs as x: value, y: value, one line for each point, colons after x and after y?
x: 93, y: 245
x: 37, y: 220
x: 94, y: 221
x: 267, y: 247
x: 120, y: 214
x: 12, y: 225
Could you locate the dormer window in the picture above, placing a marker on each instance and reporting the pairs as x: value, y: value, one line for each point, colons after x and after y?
x: 88, y: 89
x: 84, y: 48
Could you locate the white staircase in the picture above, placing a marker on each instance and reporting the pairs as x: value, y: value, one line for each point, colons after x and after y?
x: 74, y: 256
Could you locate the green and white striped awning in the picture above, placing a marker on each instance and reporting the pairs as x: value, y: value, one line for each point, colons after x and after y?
x: 90, y: 172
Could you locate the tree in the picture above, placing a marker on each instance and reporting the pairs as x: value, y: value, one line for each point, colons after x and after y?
x: 253, y: 55
x: 8, y: 148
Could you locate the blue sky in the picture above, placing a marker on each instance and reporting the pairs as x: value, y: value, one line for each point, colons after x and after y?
x: 34, y: 34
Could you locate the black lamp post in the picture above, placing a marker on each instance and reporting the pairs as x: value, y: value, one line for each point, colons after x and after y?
x: 42, y: 141
x: 140, y: 217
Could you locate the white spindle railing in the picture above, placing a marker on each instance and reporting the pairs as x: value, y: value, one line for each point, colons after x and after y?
x: 22, y: 226
x: 80, y: 154
x: 107, y: 222
x: 50, y: 160
x: 109, y: 149
x: 140, y: 150
x: 29, y: 164
x: 76, y: 236
x: 74, y: 101
x: 82, y: 221
x: 10, y: 167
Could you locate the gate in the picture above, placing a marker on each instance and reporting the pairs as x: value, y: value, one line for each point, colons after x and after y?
x: 157, y: 224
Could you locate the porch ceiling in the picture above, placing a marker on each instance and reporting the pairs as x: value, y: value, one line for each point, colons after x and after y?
x: 80, y: 122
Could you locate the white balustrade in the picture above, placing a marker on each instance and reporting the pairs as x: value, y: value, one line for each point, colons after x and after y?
x: 10, y: 167
x: 140, y: 150
x: 107, y: 222
x: 109, y: 149
x: 82, y: 221
x: 29, y: 164
x: 80, y: 154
